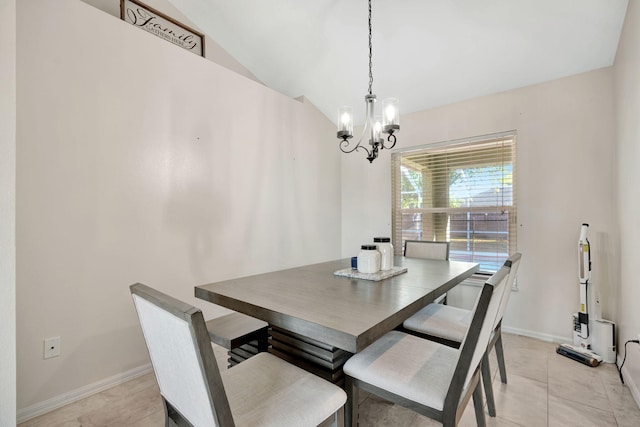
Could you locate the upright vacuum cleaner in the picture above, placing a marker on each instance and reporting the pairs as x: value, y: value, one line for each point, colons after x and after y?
x: 581, y: 348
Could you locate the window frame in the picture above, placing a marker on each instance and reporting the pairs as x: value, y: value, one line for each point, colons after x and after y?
x: 470, y: 145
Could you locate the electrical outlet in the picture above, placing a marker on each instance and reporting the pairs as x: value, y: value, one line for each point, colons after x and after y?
x: 51, y: 347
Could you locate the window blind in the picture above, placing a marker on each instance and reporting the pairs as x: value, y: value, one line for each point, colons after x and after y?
x: 462, y: 192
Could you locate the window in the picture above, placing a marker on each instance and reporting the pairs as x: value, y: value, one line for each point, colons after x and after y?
x: 462, y: 192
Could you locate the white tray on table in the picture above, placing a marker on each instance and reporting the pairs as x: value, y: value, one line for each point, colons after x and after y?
x: 376, y: 277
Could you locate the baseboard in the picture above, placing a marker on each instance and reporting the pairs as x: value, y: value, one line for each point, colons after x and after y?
x: 56, y: 402
x: 629, y: 382
x: 633, y: 387
x: 537, y: 335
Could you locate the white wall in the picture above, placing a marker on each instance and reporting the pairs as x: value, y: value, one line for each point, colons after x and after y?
x: 627, y: 97
x: 7, y: 212
x: 213, y: 51
x: 565, y: 161
x: 139, y: 161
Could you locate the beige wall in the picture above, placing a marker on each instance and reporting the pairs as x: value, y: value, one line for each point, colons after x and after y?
x: 565, y: 161
x: 627, y: 176
x: 139, y: 161
x: 7, y: 212
x: 213, y: 51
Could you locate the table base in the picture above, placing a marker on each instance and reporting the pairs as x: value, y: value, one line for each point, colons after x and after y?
x: 311, y: 355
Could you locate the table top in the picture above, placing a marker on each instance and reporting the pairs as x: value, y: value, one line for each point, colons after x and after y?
x: 347, y: 313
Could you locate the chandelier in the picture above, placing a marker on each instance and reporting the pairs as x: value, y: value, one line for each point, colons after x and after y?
x: 374, y: 126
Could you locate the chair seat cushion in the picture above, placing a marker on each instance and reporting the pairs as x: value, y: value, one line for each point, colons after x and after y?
x: 267, y: 391
x: 442, y: 321
x: 408, y: 366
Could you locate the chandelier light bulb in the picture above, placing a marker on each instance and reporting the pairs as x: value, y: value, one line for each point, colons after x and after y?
x: 390, y: 112
x: 345, y: 119
x: 345, y: 123
x: 391, y: 118
x: 377, y: 130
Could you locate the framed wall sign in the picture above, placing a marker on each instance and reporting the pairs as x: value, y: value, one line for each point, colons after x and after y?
x: 159, y: 24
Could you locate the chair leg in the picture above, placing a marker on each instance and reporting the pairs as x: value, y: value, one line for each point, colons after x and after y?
x: 335, y: 420
x: 500, y: 355
x: 168, y: 422
x: 488, y: 387
x: 340, y: 417
x: 172, y: 417
x: 351, y: 406
x: 477, y: 405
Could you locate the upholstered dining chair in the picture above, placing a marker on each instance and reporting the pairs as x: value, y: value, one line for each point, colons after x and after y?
x: 430, y: 378
x: 425, y: 249
x: 261, y: 391
x: 448, y: 325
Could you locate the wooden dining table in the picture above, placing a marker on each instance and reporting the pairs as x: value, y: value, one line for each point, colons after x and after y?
x: 318, y: 319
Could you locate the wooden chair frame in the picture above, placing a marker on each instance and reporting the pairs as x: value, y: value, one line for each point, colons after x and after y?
x: 496, y: 339
x: 216, y: 395
x: 208, y: 366
x: 455, y: 403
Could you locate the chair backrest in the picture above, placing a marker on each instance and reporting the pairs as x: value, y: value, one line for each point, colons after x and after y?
x: 182, y: 357
x: 477, y: 337
x: 426, y: 249
x: 513, y: 262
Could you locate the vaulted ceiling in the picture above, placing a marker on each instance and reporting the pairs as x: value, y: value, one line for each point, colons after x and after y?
x: 427, y: 53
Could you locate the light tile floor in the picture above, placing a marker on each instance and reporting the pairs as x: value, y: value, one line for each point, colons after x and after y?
x: 544, y: 389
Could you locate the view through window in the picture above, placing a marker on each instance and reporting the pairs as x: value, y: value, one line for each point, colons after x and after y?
x: 462, y: 192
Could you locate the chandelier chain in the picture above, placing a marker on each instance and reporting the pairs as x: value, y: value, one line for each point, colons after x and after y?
x: 370, y: 52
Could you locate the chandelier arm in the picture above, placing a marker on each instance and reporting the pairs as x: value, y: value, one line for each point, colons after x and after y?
x: 392, y: 139
x: 356, y: 148
x: 344, y: 144
x: 365, y: 149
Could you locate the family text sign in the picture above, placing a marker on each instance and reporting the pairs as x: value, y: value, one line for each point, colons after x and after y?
x: 154, y: 22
